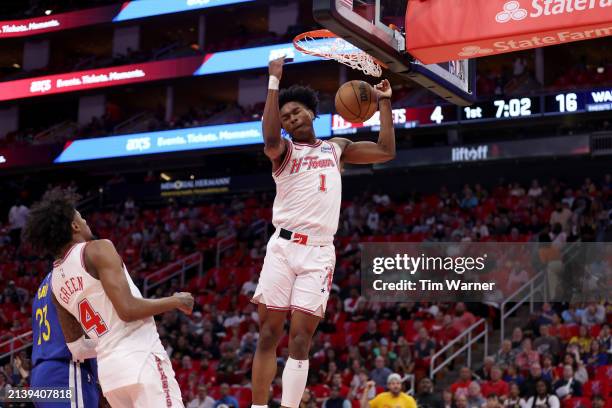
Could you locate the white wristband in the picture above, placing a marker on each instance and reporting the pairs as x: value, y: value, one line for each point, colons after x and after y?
x: 274, y: 83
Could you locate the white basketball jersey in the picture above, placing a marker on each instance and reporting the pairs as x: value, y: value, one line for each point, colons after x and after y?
x: 308, y: 189
x: 122, y: 347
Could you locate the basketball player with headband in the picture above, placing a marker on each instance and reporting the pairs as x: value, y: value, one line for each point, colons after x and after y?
x: 300, y: 259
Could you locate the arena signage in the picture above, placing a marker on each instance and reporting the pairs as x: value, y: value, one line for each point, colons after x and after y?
x: 198, y: 186
x: 28, y: 156
x: 178, y: 185
x: 115, y: 13
x: 476, y: 153
x: 477, y: 28
x: 169, y: 141
x: 58, y: 22
x: 149, y: 8
x: 519, y: 149
x: 214, y: 63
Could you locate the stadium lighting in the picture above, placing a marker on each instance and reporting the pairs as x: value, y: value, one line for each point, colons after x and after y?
x: 16, y: 66
x: 165, y: 177
x: 192, y: 177
x: 600, y: 70
x: 48, y: 12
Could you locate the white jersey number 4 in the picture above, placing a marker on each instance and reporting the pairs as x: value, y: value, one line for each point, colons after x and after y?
x: 90, y: 319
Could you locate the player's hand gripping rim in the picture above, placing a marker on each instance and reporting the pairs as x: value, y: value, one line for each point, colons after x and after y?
x: 275, y: 66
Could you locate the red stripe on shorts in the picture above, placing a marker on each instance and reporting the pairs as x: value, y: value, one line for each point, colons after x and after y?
x: 164, y: 381
x: 301, y: 309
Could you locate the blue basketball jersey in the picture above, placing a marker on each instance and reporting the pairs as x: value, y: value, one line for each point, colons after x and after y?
x: 52, y: 364
x: 47, y: 336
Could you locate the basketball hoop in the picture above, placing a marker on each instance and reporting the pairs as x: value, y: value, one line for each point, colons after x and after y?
x: 325, y: 44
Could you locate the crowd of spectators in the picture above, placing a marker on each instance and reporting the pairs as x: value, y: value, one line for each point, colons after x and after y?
x: 560, y: 355
x: 517, y: 75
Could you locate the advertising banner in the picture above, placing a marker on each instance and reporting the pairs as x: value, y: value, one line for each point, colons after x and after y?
x: 213, y: 63
x: 169, y: 141
x: 128, y: 10
x: 28, y: 156
x: 446, y: 30
x: 486, y: 152
x: 58, y: 22
x: 215, y: 185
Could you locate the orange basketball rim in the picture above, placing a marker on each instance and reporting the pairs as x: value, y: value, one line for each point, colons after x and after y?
x: 325, y: 44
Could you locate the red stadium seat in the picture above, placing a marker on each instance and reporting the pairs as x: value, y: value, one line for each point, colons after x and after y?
x: 604, y: 373
x: 320, y: 390
x: 576, y: 402
x: 384, y: 327
x: 595, y: 329
x: 596, y: 387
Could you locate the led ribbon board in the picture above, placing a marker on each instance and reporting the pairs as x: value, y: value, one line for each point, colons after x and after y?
x: 199, y: 138
x: 214, y: 63
x: 115, y: 13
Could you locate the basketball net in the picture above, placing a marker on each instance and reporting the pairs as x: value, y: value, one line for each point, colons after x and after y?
x: 325, y: 44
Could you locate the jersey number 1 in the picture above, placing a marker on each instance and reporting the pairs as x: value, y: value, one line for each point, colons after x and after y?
x: 322, y: 181
x: 90, y: 319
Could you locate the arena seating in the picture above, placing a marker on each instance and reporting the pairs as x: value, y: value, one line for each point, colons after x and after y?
x: 150, y: 238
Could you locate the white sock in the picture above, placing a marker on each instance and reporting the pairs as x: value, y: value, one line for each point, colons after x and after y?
x: 295, y: 376
x: 259, y: 406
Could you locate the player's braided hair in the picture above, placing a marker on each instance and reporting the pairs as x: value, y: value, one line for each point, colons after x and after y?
x: 48, y: 228
x: 302, y: 94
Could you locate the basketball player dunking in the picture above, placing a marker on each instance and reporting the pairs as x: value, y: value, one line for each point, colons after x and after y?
x: 300, y: 258
x: 94, y: 295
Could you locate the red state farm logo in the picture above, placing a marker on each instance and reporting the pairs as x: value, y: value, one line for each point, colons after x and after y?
x: 474, y: 50
x: 512, y: 11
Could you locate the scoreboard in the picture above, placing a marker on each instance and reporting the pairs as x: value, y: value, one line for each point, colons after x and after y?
x: 595, y: 100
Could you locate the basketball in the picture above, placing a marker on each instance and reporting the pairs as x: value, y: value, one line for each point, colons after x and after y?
x: 356, y: 101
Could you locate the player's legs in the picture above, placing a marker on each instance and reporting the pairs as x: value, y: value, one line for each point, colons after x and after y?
x: 273, y: 294
x: 271, y: 325
x: 122, y: 397
x: 295, y: 374
x: 315, y: 267
x: 67, y: 374
x: 51, y: 374
x: 86, y: 387
x: 156, y: 388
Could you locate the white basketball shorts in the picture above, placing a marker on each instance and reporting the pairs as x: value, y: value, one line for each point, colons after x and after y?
x: 296, y: 277
x: 156, y: 388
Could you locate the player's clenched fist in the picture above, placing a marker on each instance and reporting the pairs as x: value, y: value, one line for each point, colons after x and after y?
x: 275, y: 67
x: 383, y: 89
x: 184, y: 302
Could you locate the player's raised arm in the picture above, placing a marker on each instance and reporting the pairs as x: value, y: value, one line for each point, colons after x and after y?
x: 370, y: 152
x: 274, y: 146
x: 102, y: 258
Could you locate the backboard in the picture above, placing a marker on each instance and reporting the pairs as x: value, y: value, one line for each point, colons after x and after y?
x: 366, y: 24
